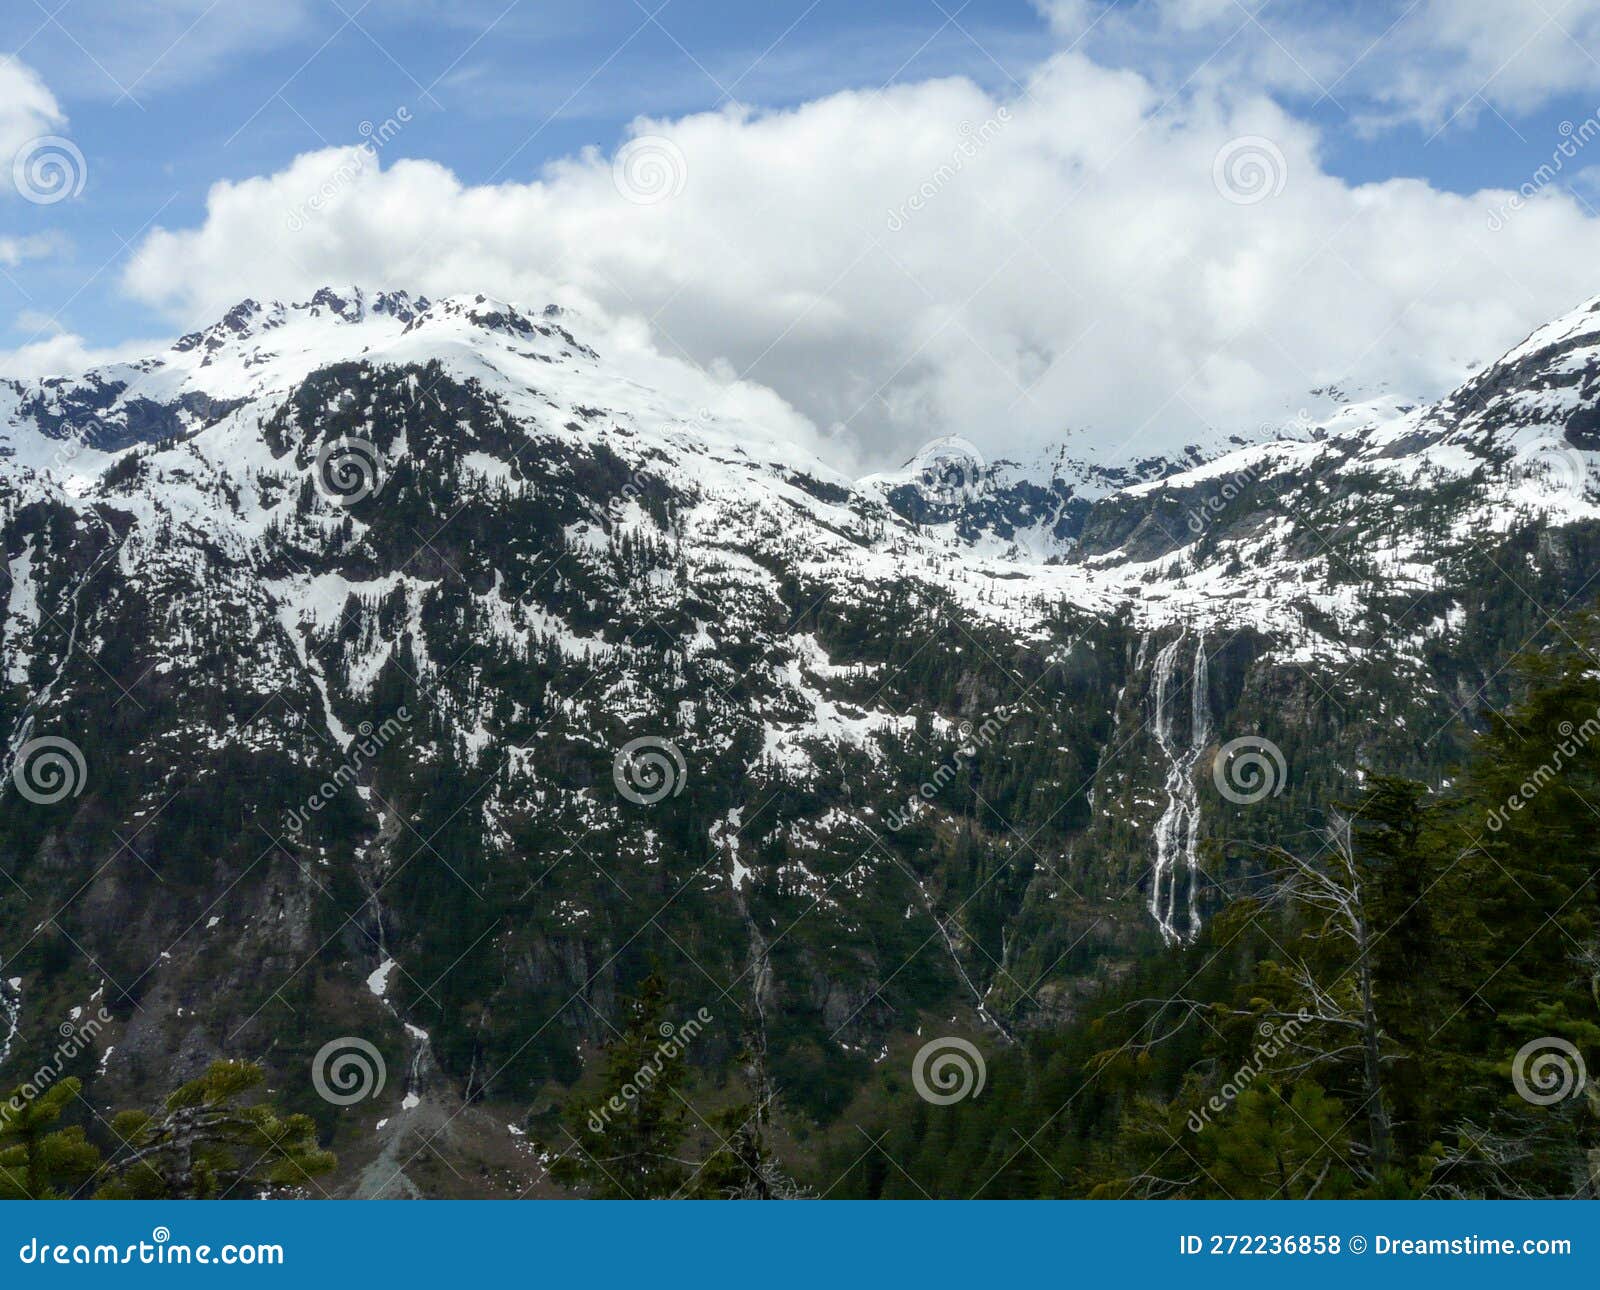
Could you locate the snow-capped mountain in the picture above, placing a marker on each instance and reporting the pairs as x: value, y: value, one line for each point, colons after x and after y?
x: 413, y: 674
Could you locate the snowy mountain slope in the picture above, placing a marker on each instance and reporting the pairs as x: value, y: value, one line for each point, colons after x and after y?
x: 1022, y: 514
x: 354, y: 607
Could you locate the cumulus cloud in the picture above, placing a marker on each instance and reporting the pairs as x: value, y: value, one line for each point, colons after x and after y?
x: 1087, y: 260
x: 27, y: 110
x: 53, y: 352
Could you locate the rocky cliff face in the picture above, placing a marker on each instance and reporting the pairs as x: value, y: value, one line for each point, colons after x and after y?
x: 388, y: 668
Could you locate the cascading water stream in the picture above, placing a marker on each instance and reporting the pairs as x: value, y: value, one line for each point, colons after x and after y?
x: 10, y: 1013
x: 1177, y: 832
x: 1200, y: 727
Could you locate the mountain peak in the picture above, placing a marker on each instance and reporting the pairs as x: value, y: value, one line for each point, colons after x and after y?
x: 355, y: 306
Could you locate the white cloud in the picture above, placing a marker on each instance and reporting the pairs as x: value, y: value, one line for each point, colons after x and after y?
x: 1428, y: 62
x: 1515, y: 56
x: 1073, y: 268
x: 34, y: 246
x: 53, y: 352
x: 27, y: 110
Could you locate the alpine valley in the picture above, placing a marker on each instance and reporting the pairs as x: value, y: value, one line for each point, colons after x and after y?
x: 393, y: 668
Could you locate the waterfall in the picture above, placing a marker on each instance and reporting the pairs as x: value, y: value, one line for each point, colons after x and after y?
x: 1200, y: 726
x: 1177, y: 832
x: 11, y: 1008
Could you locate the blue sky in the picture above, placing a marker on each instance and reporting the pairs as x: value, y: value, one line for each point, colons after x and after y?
x: 496, y: 91
x: 167, y: 101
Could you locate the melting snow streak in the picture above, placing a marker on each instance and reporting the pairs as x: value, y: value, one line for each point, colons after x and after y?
x: 1178, y: 829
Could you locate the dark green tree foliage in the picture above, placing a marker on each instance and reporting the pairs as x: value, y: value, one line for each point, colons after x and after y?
x: 1277, y: 1144
x: 741, y: 1168
x: 625, y: 1139
x: 206, y: 1142
x: 38, y: 1160
x: 1369, y: 1019
x: 741, y: 1164
x: 637, y: 1137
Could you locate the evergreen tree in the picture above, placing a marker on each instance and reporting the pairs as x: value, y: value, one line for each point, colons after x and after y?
x: 37, y: 1160
x: 1276, y: 1145
x: 206, y: 1143
x: 625, y: 1139
x: 1406, y: 1008
x: 743, y: 1166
